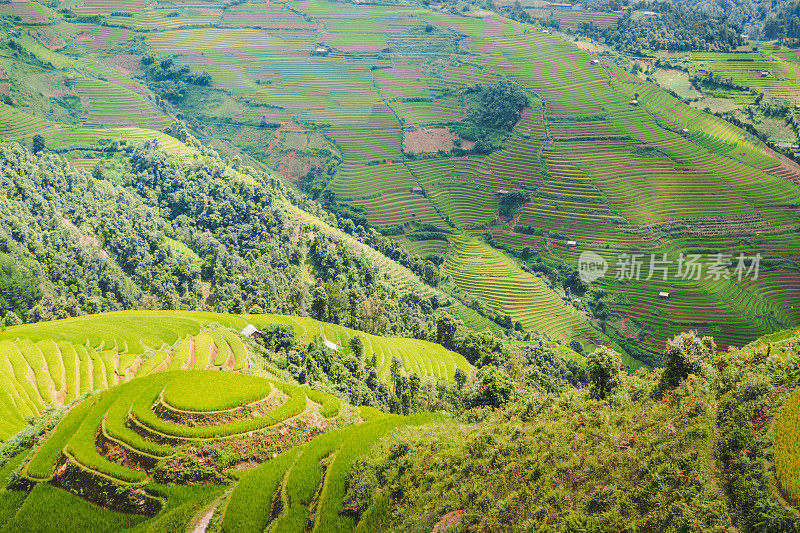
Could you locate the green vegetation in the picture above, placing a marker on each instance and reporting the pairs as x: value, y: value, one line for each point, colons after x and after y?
x: 220, y: 391
x: 666, y: 26
x: 639, y: 459
x: 154, y: 341
x: 787, y: 448
x: 248, y: 250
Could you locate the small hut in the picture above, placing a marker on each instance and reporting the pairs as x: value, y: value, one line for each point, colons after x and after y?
x: 764, y: 73
x: 634, y: 102
x: 321, y: 51
x: 572, y: 244
x: 500, y: 193
x: 417, y: 190
x: 330, y: 345
x: 663, y: 295
x: 595, y: 61
x: 685, y: 131
x: 251, y: 331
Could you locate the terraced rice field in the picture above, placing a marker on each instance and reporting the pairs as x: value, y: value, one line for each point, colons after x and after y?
x: 297, y: 475
x: 611, y: 175
x: 109, y: 105
x: 15, y: 124
x: 745, y: 69
x: 572, y: 19
x: 49, y: 372
x: 64, y: 138
x: 385, y: 192
x: 107, y: 447
x: 53, y: 363
x: 487, y: 273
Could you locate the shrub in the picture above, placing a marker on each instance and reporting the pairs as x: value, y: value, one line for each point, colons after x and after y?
x: 279, y: 337
x: 603, y: 365
x: 686, y: 354
x: 494, y: 388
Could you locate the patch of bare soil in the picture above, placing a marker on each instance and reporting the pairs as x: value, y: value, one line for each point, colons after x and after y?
x: 86, y: 240
x: 453, y: 518
x: 432, y: 140
x: 3, y: 72
x: 583, y: 45
x: 481, y: 13
x: 5, y: 88
x: 286, y: 126
x: 84, y: 37
x: 125, y: 63
x: 52, y: 42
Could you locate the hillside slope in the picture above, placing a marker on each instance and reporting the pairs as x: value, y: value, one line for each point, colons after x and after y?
x: 151, y: 454
x: 694, y: 457
x: 53, y: 363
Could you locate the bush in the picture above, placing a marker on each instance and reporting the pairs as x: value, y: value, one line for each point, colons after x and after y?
x: 603, y: 366
x: 686, y: 354
x: 494, y: 388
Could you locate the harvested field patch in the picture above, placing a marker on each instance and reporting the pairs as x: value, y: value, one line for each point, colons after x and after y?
x: 432, y: 140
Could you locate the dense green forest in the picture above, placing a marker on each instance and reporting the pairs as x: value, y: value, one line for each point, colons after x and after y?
x: 100, y: 241
x: 766, y: 19
x: 703, y: 21
x: 667, y: 26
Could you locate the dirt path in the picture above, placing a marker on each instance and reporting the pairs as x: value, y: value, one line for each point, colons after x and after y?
x: 189, y: 364
x: 204, y: 520
x: 230, y: 363
x: 61, y: 395
x: 212, y: 356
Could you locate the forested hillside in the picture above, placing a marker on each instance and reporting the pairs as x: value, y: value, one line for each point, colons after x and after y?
x: 100, y: 242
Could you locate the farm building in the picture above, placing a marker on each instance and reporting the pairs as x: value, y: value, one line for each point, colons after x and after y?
x: 634, y: 102
x: 790, y: 146
x: 321, y: 51
x: 572, y: 244
x: 764, y: 73
x: 560, y: 5
x: 663, y: 295
x: 330, y: 344
x: 685, y: 131
x: 545, y: 31
x: 595, y: 61
x: 576, y: 301
x: 251, y: 331
x: 501, y: 192
x: 417, y: 190
x: 797, y: 106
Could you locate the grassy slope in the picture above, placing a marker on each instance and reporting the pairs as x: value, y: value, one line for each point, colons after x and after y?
x: 696, y: 459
